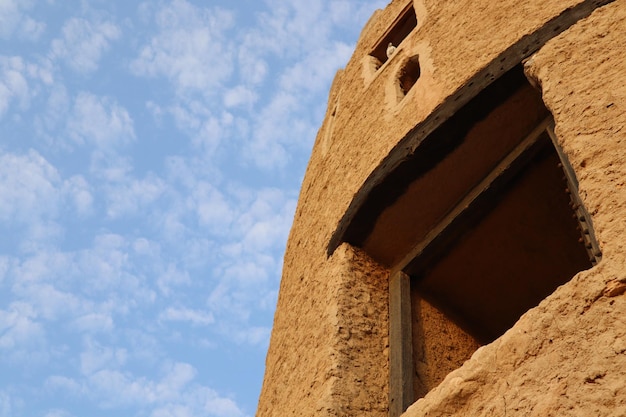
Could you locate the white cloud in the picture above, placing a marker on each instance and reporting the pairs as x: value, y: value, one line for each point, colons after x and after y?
x: 80, y: 194
x: 33, y: 195
x: 239, y: 289
x: 200, y: 252
x: 255, y: 336
x: 5, y: 405
x: 247, y: 230
x: 143, y: 246
x: 266, y: 221
x: 46, y: 301
x: 128, y: 196
x: 29, y: 186
x: 214, y: 405
x: 214, y: 131
x: 93, y: 323
x: 176, y: 379
x: 62, y: 383
x: 42, y: 71
x: 316, y: 70
x: 57, y: 413
x: 346, y: 13
x: 57, y: 106
x: 273, y: 130
x: 191, y: 49
x: 31, y: 29
x: 111, y: 165
x: 85, y: 289
x: 53, y: 115
x: 171, y: 278
x: 59, y: 288
x: 107, y: 267
x: 13, y: 20
x: 208, y: 129
x: 5, y: 264
x: 19, y: 328
x: 251, y: 263
x: 253, y: 68
x: 173, y: 411
x: 287, y: 29
x: 240, y: 96
x: 13, y: 84
x: 211, y: 207
x: 100, y: 122
x: 176, y: 392
x: 96, y: 357
x: 195, y: 317
x: 83, y: 43
x: 41, y: 266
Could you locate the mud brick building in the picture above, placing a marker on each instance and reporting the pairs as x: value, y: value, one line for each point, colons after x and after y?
x: 459, y: 246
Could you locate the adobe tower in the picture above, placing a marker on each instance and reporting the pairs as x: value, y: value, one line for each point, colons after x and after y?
x: 459, y: 245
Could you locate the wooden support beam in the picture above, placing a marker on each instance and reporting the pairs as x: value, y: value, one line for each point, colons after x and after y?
x: 401, y: 367
x: 440, y: 234
x: 582, y: 215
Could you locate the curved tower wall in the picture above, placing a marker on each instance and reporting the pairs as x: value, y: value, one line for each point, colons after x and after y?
x: 329, y: 353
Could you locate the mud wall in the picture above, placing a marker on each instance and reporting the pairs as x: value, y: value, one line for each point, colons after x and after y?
x: 328, y: 353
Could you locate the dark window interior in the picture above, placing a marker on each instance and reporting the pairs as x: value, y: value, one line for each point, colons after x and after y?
x: 522, y: 244
x: 400, y: 29
x: 409, y: 74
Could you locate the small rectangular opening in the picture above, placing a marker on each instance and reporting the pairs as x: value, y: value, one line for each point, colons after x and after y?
x: 409, y: 74
x: 400, y: 29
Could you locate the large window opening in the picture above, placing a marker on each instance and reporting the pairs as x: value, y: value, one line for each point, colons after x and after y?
x: 478, y: 226
x: 522, y: 243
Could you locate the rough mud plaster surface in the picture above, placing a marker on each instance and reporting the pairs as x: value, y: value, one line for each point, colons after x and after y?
x: 336, y: 313
x: 309, y: 370
x: 567, y: 357
x: 363, y: 345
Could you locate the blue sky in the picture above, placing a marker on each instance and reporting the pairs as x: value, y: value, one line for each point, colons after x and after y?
x: 151, y: 155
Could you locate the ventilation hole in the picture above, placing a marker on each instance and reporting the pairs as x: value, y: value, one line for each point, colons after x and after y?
x: 409, y: 74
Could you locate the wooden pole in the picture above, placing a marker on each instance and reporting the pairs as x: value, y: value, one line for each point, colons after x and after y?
x: 401, y: 368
